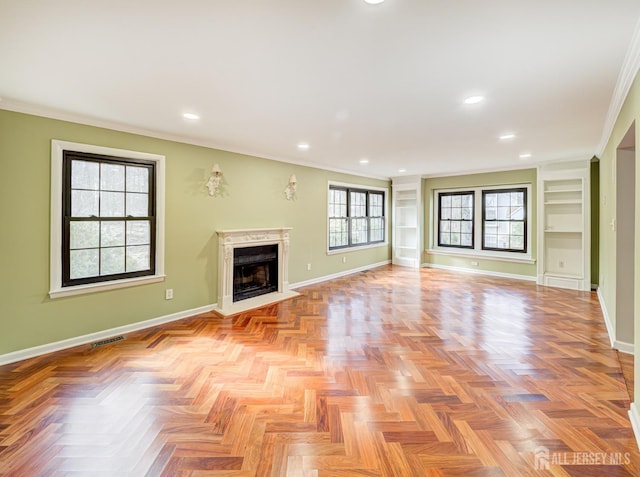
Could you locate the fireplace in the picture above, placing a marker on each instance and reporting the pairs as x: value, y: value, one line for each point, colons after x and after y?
x: 253, y: 269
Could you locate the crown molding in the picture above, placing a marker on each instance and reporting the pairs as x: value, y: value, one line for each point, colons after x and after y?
x: 51, y: 113
x: 628, y: 72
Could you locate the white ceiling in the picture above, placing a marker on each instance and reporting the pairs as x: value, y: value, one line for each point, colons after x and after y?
x: 383, y: 82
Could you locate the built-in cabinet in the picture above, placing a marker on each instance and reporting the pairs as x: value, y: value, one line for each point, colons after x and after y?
x: 407, y: 220
x: 564, y: 225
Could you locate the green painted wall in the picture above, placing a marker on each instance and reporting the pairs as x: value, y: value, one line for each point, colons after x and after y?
x: 524, y: 176
x: 252, y: 197
x: 629, y: 113
x: 595, y: 221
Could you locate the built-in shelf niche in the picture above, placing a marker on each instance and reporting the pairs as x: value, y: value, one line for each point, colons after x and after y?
x: 564, y: 225
x: 407, y: 221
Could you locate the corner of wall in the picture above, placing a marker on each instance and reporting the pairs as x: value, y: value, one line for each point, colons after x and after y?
x: 607, y: 319
x: 634, y: 417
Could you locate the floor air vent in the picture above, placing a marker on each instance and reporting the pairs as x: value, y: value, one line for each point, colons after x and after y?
x: 107, y: 341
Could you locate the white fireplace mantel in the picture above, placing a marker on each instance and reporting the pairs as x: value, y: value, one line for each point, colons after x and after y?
x: 228, y: 240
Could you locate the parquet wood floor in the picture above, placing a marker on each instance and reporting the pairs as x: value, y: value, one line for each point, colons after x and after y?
x: 626, y: 363
x: 390, y: 372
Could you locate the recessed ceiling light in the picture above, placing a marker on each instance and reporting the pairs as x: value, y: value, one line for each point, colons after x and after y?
x: 191, y: 116
x: 506, y: 137
x: 402, y: 170
x: 526, y: 155
x: 364, y: 161
x: 303, y: 146
x: 474, y: 100
x: 373, y: 2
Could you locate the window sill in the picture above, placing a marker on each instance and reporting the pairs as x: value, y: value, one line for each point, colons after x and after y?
x: 104, y: 286
x: 355, y: 249
x: 499, y: 257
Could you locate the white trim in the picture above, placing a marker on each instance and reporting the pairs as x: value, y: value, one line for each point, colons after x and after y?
x: 480, y: 272
x: 482, y: 256
x: 607, y: 319
x: 356, y: 248
x: 634, y: 417
x: 100, y: 335
x: 55, y: 275
x: 386, y: 217
x: 407, y: 231
x: 255, y: 302
x: 623, y: 347
x: 325, y: 278
x: 9, y: 104
x: 105, y: 286
x: 511, y: 168
x: 228, y: 242
x: 477, y: 249
x: 627, y: 74
x: 350, y: 185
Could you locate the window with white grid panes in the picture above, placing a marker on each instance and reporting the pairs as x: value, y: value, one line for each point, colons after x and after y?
x: 356, y: 217
x: 109, y: 218
x: 338, y: 218
x: 376, y: 216
x: 504, y: 220
x: 456, y: 219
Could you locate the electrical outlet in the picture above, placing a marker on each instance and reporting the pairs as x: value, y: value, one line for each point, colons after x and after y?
x: 475, y: 264
x: 344, y: 259
x: 308, y: 266
x: 168, y: 294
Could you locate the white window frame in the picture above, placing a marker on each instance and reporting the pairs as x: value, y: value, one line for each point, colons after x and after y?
x: 56, y: 290
x: 477, y: 251
x: 386, y: 217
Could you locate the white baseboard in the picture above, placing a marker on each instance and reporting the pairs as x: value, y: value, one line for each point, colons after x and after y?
x: 480, y: 272
x: 623, y: 347
x: 100, y: 335
x: 325, y: 278
x: 634, y: 417
x: 607, y: 320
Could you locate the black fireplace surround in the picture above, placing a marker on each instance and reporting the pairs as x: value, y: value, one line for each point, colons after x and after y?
x: 255, y: 271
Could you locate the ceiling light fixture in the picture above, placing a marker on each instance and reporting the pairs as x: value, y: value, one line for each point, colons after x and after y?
x: 303, y: 146
x: 474, y: 100
x: 373, y: 2
x: 506, y: 137
x: 191, y: 116
x: 364, y: 161
x: 402, y: 170
x: 526, y: 155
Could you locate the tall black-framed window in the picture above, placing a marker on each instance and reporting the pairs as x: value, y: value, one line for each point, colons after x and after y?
x: 456, y: 219
x: 356, y: 217
x: 109, y: 218
x: 504, y: 220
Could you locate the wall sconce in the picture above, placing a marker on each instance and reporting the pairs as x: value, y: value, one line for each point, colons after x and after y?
x: 290, y: 190
x: 213, y: 184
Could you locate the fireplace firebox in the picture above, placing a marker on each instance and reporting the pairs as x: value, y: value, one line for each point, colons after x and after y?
x: 240, y: 277
x: 255, y: 271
